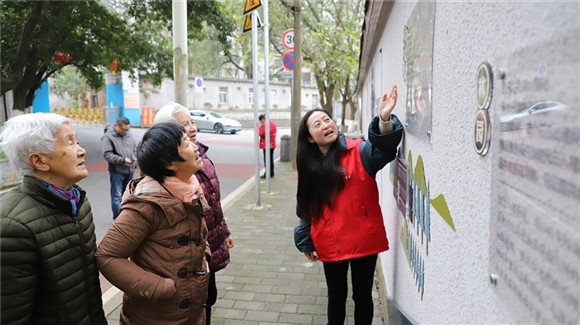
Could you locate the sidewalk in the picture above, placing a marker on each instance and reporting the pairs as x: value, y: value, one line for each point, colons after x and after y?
x: 268, y: 280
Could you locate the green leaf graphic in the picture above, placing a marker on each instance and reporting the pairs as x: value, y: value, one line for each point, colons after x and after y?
x: 440, y: 205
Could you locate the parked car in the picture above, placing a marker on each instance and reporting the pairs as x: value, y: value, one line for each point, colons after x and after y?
x: 537, y: 108
x: 214, y: 122
x: 540, y: 114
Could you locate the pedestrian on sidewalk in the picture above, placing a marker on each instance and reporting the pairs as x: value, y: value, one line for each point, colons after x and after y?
x: 156, y: 251
x: 338, y: 197
x: 262, y: 134
x: 119, y: 146
x: 47, y: 238
x: 219, y: 236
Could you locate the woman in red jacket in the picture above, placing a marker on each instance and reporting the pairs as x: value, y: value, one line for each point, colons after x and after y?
x: 262, y: 134
x: 338, y: 196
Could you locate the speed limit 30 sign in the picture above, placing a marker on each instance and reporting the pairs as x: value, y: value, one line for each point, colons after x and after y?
x: 288, y: 39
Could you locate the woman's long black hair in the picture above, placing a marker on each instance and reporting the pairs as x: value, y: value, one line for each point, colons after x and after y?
x: 320, y: 177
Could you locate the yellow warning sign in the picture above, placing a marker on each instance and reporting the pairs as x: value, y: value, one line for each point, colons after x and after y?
x: 248, y: 23
x: 251, y: 5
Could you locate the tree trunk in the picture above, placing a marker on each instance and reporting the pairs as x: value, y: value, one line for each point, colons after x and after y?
x: 19, y: 98
x: 248, y: 68
x: 345, y: 98
x: 329, y: 96
x: 353, y: 109
x: 15, y: 76
x: 342, y: 125
x: 320, y: 86
x: 297, y: 84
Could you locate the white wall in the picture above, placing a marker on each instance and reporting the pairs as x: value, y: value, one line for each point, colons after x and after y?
x: 456, y: 268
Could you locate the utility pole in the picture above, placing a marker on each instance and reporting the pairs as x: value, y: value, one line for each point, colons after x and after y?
x: 180, y: 71
x: 256, y: 102
x: 295, y: 113
x: 267, y: 168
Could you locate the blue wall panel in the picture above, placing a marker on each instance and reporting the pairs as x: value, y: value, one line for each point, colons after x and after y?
x: 41, y: 103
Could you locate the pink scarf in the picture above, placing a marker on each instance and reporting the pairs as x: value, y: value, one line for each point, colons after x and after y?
x: 185, y: 192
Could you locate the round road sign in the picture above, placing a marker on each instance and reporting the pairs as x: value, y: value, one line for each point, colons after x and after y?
x: 198, y: 82
x: 288, y: 60
x: 288, y: 39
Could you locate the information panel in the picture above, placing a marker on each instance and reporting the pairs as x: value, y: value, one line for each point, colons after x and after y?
x: 535, y: 222
x: 418, y: 68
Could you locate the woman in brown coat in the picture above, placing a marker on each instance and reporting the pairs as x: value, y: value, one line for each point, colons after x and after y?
x: 161, y: 230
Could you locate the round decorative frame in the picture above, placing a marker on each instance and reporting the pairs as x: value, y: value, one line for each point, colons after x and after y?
x: 482, y: 132
x: 484, y: 86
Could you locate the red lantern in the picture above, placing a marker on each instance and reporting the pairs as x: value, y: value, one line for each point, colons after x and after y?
x: 113, y: 66
x: 58, y: 58
x: 62, y: 58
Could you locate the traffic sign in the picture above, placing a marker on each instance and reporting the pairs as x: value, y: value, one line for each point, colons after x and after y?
x: 198, y: 84
x: 288, y: 60
x: 286, y: 75
x: 288, y: 39
x: 251, y: 5
x: 248, y: 23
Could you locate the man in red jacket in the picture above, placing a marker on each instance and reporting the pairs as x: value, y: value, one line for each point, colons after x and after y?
x: 262, y: 134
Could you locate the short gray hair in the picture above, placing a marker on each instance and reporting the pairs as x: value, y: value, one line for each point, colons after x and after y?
x: 167, y: 113
x: 26, y: 134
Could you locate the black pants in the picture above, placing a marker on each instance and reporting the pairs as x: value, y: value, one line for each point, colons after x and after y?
x: 211, y: 297
x: 271, y: 161
x: 362, y: 271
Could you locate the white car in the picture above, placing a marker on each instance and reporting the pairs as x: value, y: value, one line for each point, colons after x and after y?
x: 539, y: 114
x: 538, y: 108
x: 214, y: 122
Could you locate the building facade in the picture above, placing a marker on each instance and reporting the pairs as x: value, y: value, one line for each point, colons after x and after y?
x: 228, y: 94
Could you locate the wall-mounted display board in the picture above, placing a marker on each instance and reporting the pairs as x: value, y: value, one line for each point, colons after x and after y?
x: 418, y: 68
x: 535, y: 202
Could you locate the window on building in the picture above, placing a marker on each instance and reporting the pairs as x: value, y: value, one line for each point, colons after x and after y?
x: 94, y: 100
x: 223, y: 96
x: 306, y: 79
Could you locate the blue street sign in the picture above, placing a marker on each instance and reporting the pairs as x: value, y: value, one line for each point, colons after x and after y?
x: 288, y: 60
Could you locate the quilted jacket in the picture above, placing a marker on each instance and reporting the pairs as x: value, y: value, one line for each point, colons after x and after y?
x: 163, y: 237
x: 48, y: 269
x: 214, y: 217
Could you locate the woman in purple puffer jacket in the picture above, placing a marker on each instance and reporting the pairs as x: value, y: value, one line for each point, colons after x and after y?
x: 219, y: 236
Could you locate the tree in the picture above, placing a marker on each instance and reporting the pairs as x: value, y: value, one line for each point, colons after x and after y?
x: 331, y: 44
x: 239, y: 59
x: 35, y: 32
x: 93, y: 36
x: 70, y: 83
x: 207, y: 57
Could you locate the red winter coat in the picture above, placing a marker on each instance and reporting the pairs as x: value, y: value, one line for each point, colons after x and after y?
x: 354, y: 226
x: 262, y: 134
